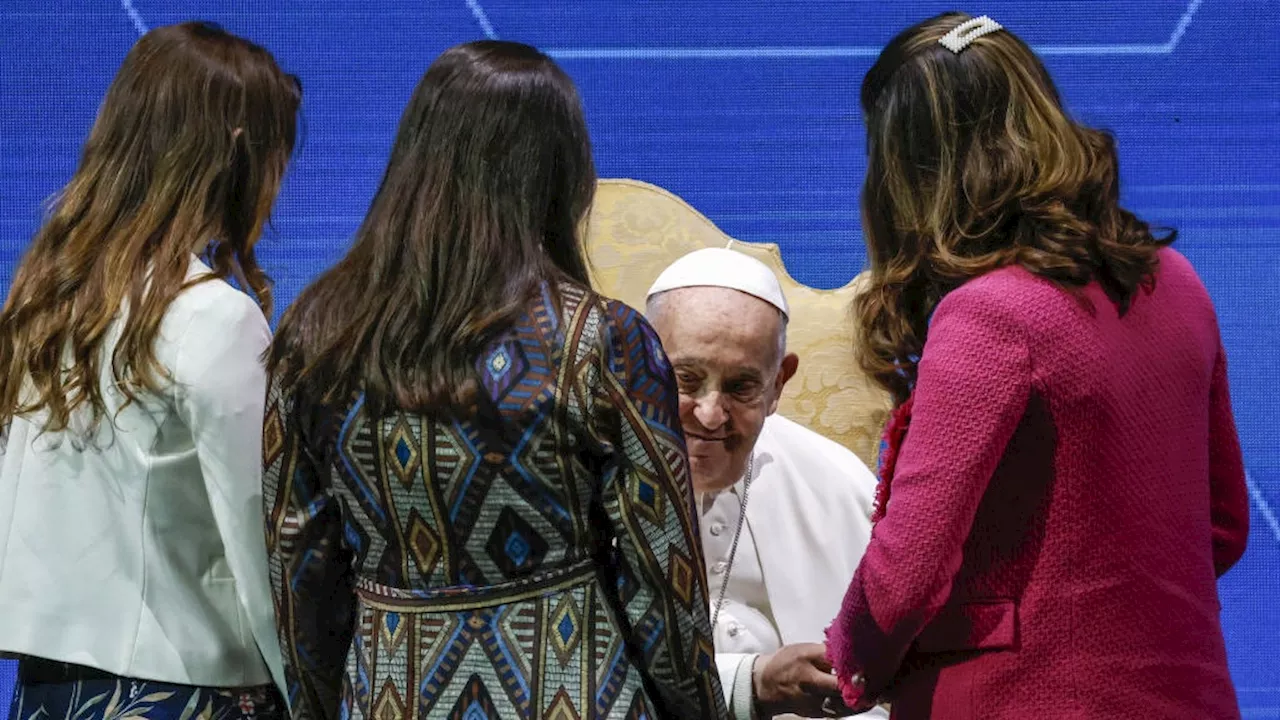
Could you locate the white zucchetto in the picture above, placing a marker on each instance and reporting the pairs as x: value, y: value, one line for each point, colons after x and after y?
x: 721, y: 267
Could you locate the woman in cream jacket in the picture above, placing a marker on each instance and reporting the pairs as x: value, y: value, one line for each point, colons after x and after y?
x: 133, y: 574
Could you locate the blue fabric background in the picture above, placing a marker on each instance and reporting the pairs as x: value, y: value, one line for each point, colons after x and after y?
x: 748, y: 109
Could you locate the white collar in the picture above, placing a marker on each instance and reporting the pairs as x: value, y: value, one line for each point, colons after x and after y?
x: 707, y: 500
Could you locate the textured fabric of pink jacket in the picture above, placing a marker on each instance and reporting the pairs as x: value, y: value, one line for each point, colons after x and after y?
x: 1067, y: 494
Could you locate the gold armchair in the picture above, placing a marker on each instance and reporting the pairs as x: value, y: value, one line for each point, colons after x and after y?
x: 636, y: 229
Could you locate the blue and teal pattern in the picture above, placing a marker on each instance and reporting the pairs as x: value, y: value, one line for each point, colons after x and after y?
x: 536, y: 560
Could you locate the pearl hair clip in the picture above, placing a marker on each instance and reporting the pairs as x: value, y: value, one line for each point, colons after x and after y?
x: 968, y: 31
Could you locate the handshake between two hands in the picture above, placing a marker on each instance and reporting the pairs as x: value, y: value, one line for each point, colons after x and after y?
x: 797, y: 679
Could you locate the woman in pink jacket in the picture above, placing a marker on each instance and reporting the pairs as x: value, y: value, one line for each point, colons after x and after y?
x: 1062, y: 482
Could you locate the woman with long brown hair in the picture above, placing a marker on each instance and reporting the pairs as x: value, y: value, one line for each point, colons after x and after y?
x: 479, y: 494
x: 1062, y: 482
x: 133, y: 569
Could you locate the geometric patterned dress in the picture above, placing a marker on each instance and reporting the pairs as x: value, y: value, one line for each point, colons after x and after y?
x: 538, y: 558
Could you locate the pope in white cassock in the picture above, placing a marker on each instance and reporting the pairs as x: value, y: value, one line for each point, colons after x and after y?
x: 784, y: 512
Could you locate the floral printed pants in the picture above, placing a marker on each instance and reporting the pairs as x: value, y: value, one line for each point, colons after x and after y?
x: 48, y: 690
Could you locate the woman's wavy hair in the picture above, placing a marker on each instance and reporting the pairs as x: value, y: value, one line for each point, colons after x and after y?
x: 186, y: 156
x: 481, y: 205
x: 973, y: 165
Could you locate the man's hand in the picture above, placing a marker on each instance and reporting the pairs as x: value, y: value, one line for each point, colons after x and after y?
x: 797, y: 679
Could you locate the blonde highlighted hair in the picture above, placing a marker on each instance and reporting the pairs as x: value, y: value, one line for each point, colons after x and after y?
x: 973, y: 164
x: 186, y: 154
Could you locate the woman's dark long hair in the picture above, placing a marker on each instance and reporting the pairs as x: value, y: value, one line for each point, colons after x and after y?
x: 480, y: 206
x: 187, y: 153
x: 973, y: 165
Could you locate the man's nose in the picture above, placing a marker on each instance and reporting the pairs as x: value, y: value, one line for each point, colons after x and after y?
x: 709, y: 410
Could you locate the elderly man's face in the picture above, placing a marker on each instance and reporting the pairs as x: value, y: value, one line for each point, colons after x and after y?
x: 724, y: 347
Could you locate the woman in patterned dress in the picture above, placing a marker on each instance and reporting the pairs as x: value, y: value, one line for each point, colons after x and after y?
x: 477, y: 487
x: 133, y: 568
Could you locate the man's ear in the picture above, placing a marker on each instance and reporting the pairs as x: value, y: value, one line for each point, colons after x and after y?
x: 786, y: 370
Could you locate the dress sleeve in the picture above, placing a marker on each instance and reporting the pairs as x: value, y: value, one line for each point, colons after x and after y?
x: 311, y: 573
x: 972, y: 389
x: 648, y: 501
x: 219, y: 384
x: 1228, y: 487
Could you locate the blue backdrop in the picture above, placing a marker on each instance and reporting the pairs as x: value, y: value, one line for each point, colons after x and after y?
x: 748, y: 109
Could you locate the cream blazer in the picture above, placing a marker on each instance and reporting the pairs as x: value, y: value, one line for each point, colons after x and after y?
x: 143, y: 552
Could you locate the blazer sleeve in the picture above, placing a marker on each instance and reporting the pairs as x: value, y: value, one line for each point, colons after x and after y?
x: 647, y: 500
x: 219, y: 385
x: 972, y: 389
x: 1228, y: 487
x: 312, y: 577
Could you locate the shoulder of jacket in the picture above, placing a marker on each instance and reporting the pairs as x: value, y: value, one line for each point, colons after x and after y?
x: 1006, y: 287
x: 215, y: 301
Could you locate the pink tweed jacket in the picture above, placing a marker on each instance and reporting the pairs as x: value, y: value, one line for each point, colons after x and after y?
x: 1067, y: 492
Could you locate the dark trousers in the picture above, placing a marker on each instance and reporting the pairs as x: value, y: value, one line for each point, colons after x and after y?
x: 52, y: 689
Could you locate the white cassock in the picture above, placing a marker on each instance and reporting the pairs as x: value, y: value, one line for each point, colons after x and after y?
x: 808, y: 521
